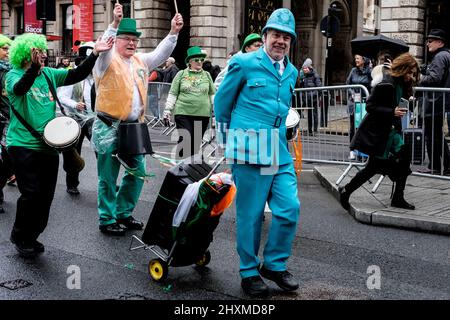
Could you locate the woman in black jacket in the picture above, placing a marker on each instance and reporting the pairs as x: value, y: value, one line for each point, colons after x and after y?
x: 379, y: 134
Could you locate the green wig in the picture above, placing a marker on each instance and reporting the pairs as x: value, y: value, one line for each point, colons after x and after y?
x: 4, y: 41
x: 20, y: 51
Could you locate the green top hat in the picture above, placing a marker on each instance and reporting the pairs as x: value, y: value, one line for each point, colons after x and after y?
x: 252, y: 37
x: 194, y: 52
x: 128, y: 26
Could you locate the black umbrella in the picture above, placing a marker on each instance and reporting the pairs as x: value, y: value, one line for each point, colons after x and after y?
x: 370, y: 46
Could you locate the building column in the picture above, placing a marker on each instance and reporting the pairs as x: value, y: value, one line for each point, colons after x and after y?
x: 404, y: 19
x: 209, y: 25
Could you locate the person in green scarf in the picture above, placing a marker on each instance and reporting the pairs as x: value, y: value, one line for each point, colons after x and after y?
x: 380, y: 133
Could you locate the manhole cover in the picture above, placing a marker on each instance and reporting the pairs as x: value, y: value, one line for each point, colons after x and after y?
x: 15, y: 284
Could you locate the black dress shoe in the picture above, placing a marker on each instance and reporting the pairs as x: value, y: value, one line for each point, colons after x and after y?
x: 284, y: 279
x: 255, y: 287
x: 38, y: 247
x: 131, y: 223
x: 1, y: 209
x: 344, y: 198
x: 73, y: 191
x: 113, y: 229
x: 401, y: 203
x: 26, y: 249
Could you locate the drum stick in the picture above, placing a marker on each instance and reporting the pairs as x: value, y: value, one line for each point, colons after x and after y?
x: 176, y: 7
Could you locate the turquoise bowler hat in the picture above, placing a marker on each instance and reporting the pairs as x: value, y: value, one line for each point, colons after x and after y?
x: 128, y: 26
x: 282, y: 20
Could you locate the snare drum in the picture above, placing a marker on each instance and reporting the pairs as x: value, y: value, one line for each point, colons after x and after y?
x: 62, y: 133
x: 292, y: 124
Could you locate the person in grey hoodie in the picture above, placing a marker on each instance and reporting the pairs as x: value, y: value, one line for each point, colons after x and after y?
x: 309, y: 78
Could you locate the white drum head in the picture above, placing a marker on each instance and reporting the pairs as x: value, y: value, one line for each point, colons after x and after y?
x: 61, y: 131
x: 293, y: 118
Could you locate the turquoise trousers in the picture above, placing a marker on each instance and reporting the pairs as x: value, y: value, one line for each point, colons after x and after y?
x: 254, y: 188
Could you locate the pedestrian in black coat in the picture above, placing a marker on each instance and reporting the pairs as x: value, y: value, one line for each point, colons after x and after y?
x: 437, y: 75
x: 379, y: 134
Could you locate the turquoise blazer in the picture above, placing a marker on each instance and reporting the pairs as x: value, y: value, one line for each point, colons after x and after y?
x: 251, y: 106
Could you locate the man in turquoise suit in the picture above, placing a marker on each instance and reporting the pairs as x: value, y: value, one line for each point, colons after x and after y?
x: 251, y: 107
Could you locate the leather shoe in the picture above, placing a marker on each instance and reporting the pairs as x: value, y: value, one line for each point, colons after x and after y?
x: 255, y: 287
x: 73, y: 191
x: 284, y: 279
x: 131, y: 223
x: 2, y: 210
x: 401, y: 203
x: 344, y: 198
x: 25, y: 249
x: 113, y: 229
x: 38, y: 246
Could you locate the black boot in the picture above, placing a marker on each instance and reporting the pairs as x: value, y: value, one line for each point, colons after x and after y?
x: 398, y: 200
x: 344, y: 197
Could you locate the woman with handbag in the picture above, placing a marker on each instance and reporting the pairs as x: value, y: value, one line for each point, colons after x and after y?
x: 190, y: 99
x: 33, y: 107
x: 380, y: 132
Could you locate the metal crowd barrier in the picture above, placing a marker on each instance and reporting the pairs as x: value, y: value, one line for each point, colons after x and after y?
x: 156, y: 102
x: 326, y: 123
x: 425, y: 129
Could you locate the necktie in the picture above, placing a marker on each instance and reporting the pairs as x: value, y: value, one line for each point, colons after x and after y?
x: 277, y: 66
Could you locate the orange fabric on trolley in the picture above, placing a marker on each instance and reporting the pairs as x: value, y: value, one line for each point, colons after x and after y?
x: 225, y: 202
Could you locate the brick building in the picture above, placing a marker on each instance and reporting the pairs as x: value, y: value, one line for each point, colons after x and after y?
x: 219, y: 26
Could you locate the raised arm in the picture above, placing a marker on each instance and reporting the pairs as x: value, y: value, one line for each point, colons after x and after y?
x: 166, y: 46
x: 105, y: 58
x: 85, y: 68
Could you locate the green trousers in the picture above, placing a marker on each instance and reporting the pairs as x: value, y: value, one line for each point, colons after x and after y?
x: 116, y: 204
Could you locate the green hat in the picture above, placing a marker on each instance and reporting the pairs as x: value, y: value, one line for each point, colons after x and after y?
x: 194, y: 52
x: 252, y: 37
x: 128, y: 26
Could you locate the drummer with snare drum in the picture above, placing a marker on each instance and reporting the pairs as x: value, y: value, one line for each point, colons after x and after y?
x: 251, y: 106
x: 33, y: 106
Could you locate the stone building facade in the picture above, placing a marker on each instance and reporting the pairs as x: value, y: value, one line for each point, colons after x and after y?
x: 219, y: 26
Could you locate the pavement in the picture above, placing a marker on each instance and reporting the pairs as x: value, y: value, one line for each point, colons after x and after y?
x: 430, y: 196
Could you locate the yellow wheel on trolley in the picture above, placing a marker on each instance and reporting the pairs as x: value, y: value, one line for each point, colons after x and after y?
x: 204, y: 260
x: 158, y: 269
